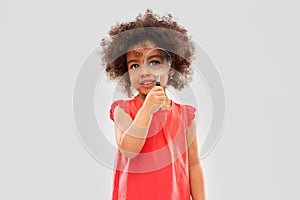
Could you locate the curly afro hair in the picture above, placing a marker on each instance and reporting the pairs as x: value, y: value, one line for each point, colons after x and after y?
x: 164, y: 32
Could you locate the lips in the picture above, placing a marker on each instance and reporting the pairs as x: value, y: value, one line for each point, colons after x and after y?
x: 147, y: 82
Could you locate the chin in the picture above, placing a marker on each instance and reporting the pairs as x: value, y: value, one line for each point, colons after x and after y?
x: 143, y: 91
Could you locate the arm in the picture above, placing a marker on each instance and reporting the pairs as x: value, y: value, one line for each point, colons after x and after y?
x: 195, y: 169
x: 131, y: 135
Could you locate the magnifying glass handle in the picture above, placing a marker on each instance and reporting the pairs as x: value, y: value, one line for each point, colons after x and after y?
x: 158, y: 83
x: 158, y: 80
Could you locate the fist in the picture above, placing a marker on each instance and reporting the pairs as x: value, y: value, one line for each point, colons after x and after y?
x: 155, y: 99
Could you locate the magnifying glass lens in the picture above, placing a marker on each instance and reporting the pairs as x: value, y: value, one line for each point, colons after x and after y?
x: 157, y: 62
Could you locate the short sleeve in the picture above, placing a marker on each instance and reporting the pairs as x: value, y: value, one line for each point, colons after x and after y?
x: 190, y: 113
x: 123, y: 104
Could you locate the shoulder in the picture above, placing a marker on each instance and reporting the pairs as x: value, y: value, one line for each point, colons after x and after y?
x: 187, y: 112
x: 124, y: 104
x: 130, y: 106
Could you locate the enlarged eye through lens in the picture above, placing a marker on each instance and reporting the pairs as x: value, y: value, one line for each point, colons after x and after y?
x: 157, y: 62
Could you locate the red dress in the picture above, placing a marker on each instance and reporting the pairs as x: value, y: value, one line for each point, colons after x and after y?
x: 160, y: 170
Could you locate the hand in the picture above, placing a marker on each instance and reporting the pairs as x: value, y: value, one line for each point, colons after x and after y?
x: 155, y: 99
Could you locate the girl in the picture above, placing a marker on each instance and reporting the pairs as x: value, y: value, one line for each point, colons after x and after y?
x: 157, y: 156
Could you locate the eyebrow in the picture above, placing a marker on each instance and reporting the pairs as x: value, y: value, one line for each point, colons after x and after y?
x: 132, y: 61
x: 155, y: 56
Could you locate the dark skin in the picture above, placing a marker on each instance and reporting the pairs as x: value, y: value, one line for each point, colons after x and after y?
x: 154, y: 97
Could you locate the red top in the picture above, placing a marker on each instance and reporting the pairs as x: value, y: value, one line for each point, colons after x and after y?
x: 160, y: 170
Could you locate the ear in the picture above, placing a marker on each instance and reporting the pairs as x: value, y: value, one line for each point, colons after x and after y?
x: 171, y: 72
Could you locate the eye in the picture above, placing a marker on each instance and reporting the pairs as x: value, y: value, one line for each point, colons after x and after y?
x: 154, y: 62
x: 134, y: 66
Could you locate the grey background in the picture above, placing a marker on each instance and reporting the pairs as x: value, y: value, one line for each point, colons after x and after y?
x: 254, y: 44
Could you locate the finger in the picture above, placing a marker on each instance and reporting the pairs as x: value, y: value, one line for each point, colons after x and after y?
x: 161, y: 99
x: 159, y: 93
x: 158, y: 88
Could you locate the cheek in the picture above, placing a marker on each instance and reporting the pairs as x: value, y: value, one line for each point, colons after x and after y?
x: 132, y: 78
x: 164, y: 79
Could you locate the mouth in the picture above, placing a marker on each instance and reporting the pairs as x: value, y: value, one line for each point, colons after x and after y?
x: 147, y: 83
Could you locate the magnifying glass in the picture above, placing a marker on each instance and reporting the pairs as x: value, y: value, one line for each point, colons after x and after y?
x: 157, y: 62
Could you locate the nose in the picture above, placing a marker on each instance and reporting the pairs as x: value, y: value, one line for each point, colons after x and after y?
x: 143, y: 71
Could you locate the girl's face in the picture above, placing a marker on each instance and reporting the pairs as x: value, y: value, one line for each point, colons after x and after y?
x: 140, y: 78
